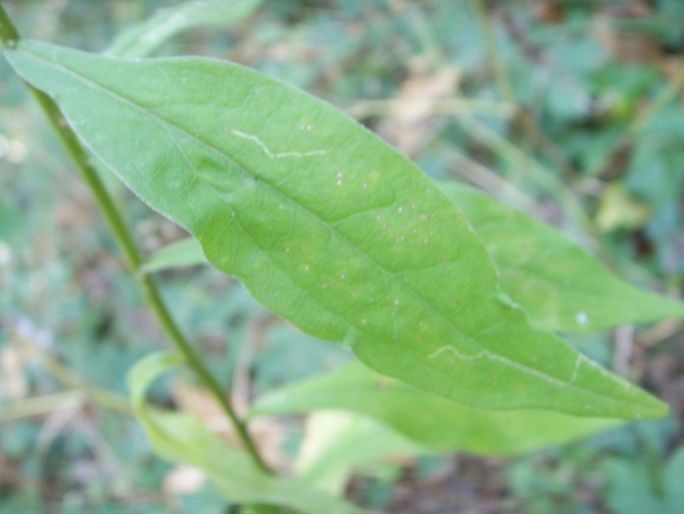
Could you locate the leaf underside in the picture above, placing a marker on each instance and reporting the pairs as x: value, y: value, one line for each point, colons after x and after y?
x: 326, y: 225
x: 429, y: 420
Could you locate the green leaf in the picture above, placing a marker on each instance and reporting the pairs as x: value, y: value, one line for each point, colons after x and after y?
x: 427, y: 419
x: 182, y: 437
x: 326, y: 225
x: 184, y: 252
x: 141, y: 40
x: 558, y: 283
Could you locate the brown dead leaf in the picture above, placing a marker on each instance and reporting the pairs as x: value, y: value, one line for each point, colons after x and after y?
x: 268, y: 433
x: 413, y: 119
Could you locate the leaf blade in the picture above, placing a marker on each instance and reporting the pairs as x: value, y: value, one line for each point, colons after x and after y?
x: 324, y: 223
x: 429, y: 420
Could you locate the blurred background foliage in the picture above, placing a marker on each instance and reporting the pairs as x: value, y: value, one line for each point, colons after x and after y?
x: 571, y: 110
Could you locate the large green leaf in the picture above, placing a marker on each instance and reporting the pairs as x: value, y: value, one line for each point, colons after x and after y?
x: 558, y: 283
x: 183, y: 437
x: 427, y: 419
x: 326, y: 224
x: 141, y: 40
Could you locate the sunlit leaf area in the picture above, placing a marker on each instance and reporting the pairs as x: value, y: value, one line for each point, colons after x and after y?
x: 431, y: 251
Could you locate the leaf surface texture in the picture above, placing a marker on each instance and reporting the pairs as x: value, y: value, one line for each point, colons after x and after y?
x: 326, y: 225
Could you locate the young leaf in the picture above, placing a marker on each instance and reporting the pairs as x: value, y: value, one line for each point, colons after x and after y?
x: 182, y: 437
x: 326, y: 225
x: 141, y: 40
x: 427, y: 419
x: 184, y: 252
x: 558, y: 283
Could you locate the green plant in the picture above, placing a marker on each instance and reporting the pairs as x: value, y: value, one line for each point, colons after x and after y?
x: 335, y: 231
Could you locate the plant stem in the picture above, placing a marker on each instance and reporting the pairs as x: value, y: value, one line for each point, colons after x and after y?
x: 9, y: 37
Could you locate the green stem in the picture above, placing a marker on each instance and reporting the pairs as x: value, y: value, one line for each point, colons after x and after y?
x: 9, y: 37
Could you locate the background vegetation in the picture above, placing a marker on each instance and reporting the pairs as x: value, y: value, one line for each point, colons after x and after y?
x: 570, y: 110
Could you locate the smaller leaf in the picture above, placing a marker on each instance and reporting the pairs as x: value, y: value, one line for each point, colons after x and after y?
x: 559, y: 284
x: 431, y: 421
x: 184, y: 438
x: 184, y: 252
x: 141, y: 40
